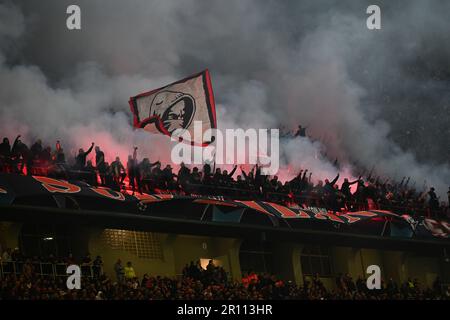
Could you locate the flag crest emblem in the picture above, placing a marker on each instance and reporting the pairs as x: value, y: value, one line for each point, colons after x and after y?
x: 177, y: 106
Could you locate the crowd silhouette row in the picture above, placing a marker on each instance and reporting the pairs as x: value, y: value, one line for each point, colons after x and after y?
x: 370, y: 192
x: 197, y: 283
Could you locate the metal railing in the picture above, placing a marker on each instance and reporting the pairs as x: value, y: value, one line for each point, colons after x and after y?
x: 234, y: 190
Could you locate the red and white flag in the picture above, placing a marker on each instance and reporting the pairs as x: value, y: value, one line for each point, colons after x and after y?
x: 177, y: 106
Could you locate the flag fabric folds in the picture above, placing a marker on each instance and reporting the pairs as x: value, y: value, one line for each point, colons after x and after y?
x: 177, y: 106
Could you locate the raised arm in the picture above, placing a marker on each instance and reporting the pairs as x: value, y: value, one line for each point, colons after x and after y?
x: 232, y: 171
x: 335, y: 179
x: 15, y: 142
x: 90, y: 149
x: 154, y: 163
x: 356, y: 181
x: 304, y: 174
x: 257, y: 172
x: 407, y: 181
x: 243, y: 173
x: 370, y: 173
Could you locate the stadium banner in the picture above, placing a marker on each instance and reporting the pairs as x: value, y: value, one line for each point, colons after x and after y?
x: 439, y: 229
x: 177, y: 106
x: 45, y: 191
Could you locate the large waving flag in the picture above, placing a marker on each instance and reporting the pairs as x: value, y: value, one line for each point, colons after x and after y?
x: 177, y: 106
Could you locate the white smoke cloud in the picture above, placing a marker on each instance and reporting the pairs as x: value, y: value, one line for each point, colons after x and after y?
x: 271, y: 65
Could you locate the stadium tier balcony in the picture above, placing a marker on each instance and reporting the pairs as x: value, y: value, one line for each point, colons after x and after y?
x: 411, y: 205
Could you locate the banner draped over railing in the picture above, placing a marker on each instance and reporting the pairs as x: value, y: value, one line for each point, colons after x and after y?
x: 19, y: 189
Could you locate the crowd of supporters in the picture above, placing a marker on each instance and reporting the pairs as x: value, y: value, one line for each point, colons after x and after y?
x: 197, y: 283
x: 370, y: 192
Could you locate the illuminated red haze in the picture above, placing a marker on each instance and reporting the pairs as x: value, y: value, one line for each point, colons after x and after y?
x: 154, y: 147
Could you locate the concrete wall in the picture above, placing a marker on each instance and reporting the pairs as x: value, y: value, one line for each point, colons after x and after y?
x: 425, y: 269
x: 291, y: 269
x: 397, y: 265
x: 9, y: 235
x: 346, y: 260
x: 163, y: 267
x: 177, y: 251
